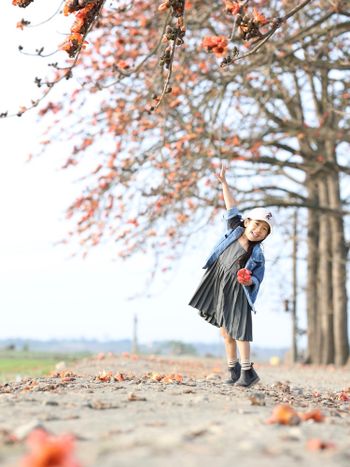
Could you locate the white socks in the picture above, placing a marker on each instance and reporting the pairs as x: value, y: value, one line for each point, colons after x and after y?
x: 232, y: 363
x: 246, y: 364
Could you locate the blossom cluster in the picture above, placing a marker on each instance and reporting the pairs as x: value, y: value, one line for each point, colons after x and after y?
x: 215, y: 44
x: 22, y: 3
x: 85, y: 12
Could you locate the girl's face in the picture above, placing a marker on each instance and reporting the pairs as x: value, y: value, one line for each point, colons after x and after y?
x: 256, y: 231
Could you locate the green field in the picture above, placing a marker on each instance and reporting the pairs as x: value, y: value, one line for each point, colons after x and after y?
x: 15, y: 363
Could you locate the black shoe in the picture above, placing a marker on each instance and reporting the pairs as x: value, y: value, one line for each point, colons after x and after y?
x: 235, y: 373
x: 248, y: 378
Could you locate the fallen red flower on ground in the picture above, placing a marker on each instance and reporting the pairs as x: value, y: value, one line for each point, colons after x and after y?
x: 315, y: 414
x: 316, y: 444
x: 284, y: 414
x: 47, y: 450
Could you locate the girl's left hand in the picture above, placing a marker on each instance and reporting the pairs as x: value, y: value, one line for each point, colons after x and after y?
x: 245, y: 282
x: 221, y: 176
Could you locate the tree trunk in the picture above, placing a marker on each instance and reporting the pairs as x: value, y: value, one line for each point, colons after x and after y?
x: 295, y: 289
x: 340, y: 321
x: 325, y: 299
x: 313, y: 333
x: 338, y: 265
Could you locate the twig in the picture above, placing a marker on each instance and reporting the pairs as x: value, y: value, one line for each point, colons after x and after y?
x: 47, y: 19
x: 66, y: 75
x: 148, y: 56
x: 276, y: 23
x: 167, y: 81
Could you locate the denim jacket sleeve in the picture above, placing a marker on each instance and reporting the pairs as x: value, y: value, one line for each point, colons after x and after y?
x: 229, y: 214
x: 226, y: 239
x: 257, y: 277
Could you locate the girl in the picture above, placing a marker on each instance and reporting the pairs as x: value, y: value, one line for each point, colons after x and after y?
x: 228, y: 289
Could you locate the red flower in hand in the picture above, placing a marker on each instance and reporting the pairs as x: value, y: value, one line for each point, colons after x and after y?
x: 244, y: 276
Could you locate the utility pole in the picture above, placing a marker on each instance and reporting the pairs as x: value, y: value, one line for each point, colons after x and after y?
x: 135, y: 346
x: 294, y: 289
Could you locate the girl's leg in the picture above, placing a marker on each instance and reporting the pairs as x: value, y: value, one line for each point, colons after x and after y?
x: 230, y: 347
x: 244, y: 353
x: 248, y: 375
x: 231, y: 354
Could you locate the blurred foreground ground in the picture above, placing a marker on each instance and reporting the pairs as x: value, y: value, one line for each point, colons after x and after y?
x: 153, y: 411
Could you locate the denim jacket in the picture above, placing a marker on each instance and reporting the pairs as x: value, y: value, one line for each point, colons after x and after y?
x: 255, y: 264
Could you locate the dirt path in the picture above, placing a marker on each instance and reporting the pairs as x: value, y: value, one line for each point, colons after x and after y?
x: 152, y: 418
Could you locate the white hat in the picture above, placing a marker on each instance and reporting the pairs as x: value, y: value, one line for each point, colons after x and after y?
x: 260, y: 214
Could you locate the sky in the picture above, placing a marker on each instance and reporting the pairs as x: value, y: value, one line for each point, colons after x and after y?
x: 45, y: 293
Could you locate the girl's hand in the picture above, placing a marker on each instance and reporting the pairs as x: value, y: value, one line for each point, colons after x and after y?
x: 245, y: 282
x: 244, y: 277
x: 221, y: 176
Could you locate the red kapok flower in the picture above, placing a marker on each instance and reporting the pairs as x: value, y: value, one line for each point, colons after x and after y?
x: 21, y: 3
x: 315, y: 414
x: 70, y: 6
x: 215, y: 44
x: 232, y: 7
x: 244, y: 275
x: 259, y: 17
x: 47, y: 450
x: 343, y: 396
x: 316, y: 444
x: 72, y: 44
x: 22, y: 24
x: 284, y: 414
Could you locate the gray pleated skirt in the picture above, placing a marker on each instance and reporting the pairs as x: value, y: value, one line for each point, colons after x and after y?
x: 220, y: 298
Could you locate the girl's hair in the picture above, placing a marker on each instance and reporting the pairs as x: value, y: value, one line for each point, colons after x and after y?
x: 235, y: 222
x: 232, y: 224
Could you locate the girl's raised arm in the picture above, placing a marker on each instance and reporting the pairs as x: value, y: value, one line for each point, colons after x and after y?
x: 230, y: 201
